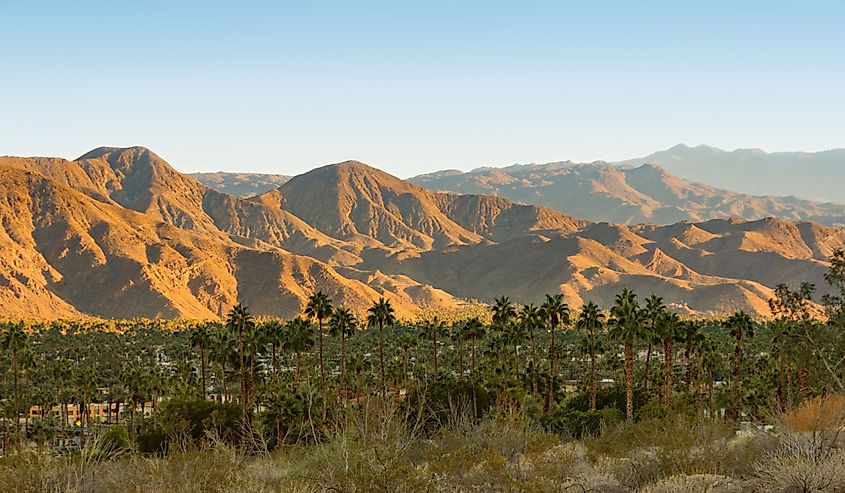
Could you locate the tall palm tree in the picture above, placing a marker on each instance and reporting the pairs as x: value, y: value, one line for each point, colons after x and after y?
x: 473, y: 330
x: 342, y: 323
x: 740, y: 326
x: 406, y: 342
x: 319, y: 307
x: 503, y: 312
x: 379, y: 315
x: 221, y: 344
x: 529, y: 317
x: 625, y: 325
x: 199, y: 340
x: 274, y: 334
x: 433, y: 330
x: 668, y: 328
x: 14, y: 341
x: 690, y: 330
x: 590, y: 321
x: 299, y: 338
x: 556, y: 313
x: 239, y: 323
x: 652, y: 311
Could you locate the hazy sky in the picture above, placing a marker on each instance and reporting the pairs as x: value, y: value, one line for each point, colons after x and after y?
x: 417, y: 86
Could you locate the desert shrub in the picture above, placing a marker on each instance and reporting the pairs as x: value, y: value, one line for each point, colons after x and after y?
x: 579, y: 424
x: 683, y: 483
x: 444, y: 398
x: 812, y: 462
x: 197, y: 417
x: 642, y: 453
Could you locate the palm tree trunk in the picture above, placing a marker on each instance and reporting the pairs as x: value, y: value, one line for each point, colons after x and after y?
x: 434, y: 351
x: 296, y: 372
x: 202, y: 369
x: 667, y: 372
x: 687, y: 356
x: 533, y: 364
x: 343, y: 364
x: 736, y: 380
x: 647, y: 379
x: 552, y: 360
x: 15, y: 386
x: 322, y: 371
x: 474, y: 398
x: 593, y: 376
x: 381, y: 359
x: 629, y: 380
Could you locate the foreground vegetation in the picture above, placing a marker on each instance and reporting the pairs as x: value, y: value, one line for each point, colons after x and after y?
x: 526, y: 398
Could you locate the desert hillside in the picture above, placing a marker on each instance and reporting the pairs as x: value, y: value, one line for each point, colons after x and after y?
x: 121, y: 233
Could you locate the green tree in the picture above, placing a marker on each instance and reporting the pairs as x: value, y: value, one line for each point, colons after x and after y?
x: 13, y: 340
x: 342, y: 323
x: 626, y: 326
x: 199, y: 340
x: 319, y: 307
x: 473, y: 330
x: 741, y: 327
x: 299, y: 338
x: 433, y: 330
x: 380, y: 315
x: 590, y: 321
x: 556, y: 314
x: 530, y: 317
x: 239, y: 323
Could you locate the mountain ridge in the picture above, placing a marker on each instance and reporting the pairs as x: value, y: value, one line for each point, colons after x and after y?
x: 358, y: 233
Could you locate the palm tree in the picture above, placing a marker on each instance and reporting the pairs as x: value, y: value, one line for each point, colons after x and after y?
x: 503, y: 312
x: 299, y: 338
x: 274, y: 333
x: 529, y: 317
x: 221, y: 344
x: 319, y: 307
x: 590, y: 321
x: 654, y: 308
x: 690, y: 330
x: 14, y: 340
x: 473, y: 330
x: 741, y: 326
x: 556, y: 313
x: 625, y: 325
x: 406, y: 341
x: 379, y: 315
x: 239, y: 322
x: 342, y: 323
x: 199, y: 339
x: 668, y: 327
x: 432, y: 330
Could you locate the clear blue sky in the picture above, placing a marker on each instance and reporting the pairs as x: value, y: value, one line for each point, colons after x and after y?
x: 417, y: 86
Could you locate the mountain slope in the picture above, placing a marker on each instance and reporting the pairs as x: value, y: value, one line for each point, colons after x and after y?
x: 66, y: 254
x: 629, y: 195
x: 134, y: 237
x: 240, y: 184
x: 810, y: 175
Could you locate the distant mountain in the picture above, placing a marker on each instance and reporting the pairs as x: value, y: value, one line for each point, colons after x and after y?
x: 810, y: 175
x: 120, y: 233
x: 629, y: 194
x: 240, y: 184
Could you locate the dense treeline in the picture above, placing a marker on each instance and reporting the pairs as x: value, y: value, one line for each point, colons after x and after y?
x: 571, y: 371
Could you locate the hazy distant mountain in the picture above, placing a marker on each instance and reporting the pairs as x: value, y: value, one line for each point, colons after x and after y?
x: 120, y: 233
x: 810, y: 175
x: 629, y: 195
x: 240, y: 184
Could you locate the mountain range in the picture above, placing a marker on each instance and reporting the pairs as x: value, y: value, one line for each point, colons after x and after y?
x: 119, y: 232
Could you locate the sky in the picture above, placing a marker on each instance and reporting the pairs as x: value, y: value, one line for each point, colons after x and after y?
x: 412, y: 87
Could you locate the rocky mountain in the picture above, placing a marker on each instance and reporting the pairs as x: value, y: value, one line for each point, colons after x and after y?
x: 810, y: 175
x: 240, y: 184
x: 632, y: 194
x: 120, y: 233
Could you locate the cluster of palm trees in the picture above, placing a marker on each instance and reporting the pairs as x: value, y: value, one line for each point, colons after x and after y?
x: 518, y: 354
